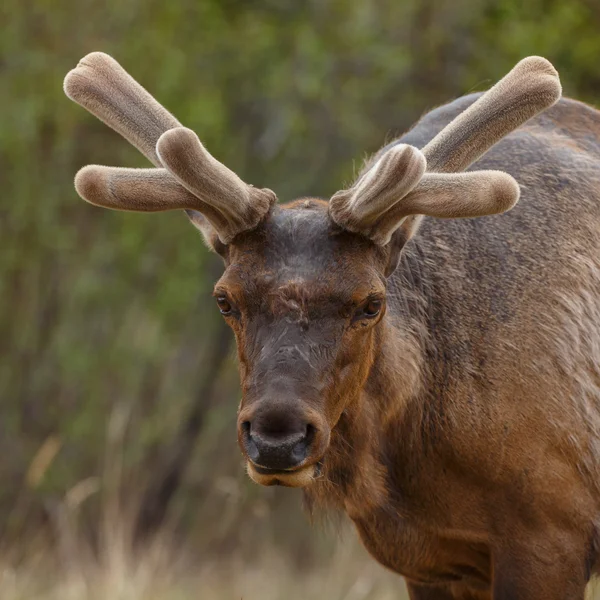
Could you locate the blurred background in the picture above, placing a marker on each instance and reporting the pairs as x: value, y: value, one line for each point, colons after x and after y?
x: 120, y: 476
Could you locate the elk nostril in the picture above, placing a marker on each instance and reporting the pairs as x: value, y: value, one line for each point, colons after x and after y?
x: 299, y: 451
x: 301, y: 448
x: 251, y: 447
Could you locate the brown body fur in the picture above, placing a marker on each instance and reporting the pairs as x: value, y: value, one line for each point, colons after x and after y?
x: 475, y: 441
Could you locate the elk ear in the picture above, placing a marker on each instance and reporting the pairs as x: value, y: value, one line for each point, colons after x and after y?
x: 209, y: 234
x: 398, y: 240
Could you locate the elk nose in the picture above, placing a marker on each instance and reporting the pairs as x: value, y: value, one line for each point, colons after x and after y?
x: 277, y: 449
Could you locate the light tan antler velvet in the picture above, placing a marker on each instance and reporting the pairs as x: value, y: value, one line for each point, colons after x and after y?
x: 394, y: 175
x: 532, y: 86
x: 242, y: 205
x: 105, y: 89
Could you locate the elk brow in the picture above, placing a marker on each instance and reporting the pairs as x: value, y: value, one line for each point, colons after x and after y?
x: 363, y: 295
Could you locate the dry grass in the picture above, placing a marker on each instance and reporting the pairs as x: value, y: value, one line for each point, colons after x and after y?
x: 349, y: 576
x: 162, y: 574
x: 70, y: 569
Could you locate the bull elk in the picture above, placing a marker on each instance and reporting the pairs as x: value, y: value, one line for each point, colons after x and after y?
x: 436, y: 377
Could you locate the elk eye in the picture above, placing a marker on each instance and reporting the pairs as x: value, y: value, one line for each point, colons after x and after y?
x: 224, y: 305
x: 372, y: 309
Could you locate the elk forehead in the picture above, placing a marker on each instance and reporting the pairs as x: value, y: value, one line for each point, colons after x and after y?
x: 299, y: 254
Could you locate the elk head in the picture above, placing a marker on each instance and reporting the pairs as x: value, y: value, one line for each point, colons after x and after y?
x: 304, y: 287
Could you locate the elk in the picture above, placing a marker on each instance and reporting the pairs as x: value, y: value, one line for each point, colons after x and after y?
x: 433, y: 375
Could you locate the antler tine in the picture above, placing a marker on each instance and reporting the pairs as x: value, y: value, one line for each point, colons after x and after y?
x: 529, y: 88
x: 105, y: 89
x: 395, y: 174
x: 145, y: 190
x: 188, y: 161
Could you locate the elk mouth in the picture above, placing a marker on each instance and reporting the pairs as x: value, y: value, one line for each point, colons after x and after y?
x: 300, y: 477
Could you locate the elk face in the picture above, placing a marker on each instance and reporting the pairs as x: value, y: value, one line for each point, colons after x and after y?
x: 303, y: 298
x: 304, y: 285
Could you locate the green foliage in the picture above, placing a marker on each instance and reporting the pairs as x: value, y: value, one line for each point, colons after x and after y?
x: 99, y: 309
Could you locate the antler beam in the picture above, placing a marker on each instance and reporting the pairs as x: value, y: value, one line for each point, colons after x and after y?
x: 530, y: 87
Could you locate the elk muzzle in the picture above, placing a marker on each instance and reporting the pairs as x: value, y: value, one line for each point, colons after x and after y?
x: 282, y: 444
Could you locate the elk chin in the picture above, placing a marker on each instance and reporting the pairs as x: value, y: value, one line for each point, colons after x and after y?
x: 296, y: 479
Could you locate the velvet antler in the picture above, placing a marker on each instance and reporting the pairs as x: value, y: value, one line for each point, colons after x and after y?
x: 532, y: 86
x: 198, y: 182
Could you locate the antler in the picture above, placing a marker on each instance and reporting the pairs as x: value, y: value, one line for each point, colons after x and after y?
x: 532, y: 86
x: 105, y: 89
